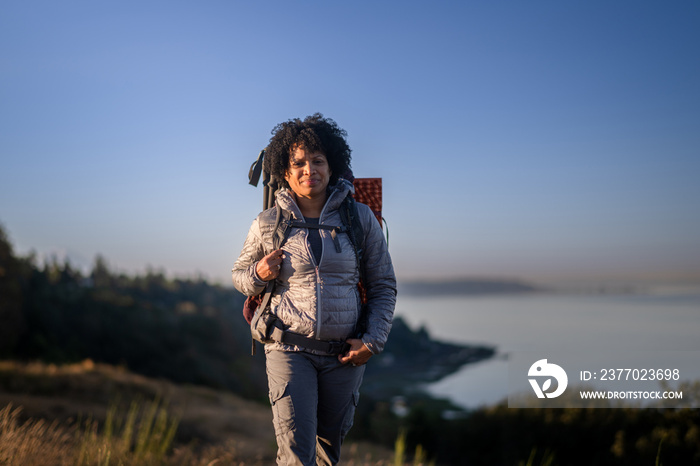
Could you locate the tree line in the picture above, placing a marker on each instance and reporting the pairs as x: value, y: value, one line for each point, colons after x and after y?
x: 188, y: 331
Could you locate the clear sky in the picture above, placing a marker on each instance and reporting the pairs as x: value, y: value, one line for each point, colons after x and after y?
x: 538, y: 139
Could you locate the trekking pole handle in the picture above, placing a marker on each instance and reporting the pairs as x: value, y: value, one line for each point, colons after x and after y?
x: 256, y: 169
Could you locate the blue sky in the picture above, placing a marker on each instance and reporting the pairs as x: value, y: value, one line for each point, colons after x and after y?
x: 541, y: 140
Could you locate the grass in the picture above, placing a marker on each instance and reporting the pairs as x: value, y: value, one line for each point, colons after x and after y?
x: 143, y: 437
x: 94, y: 414
x: 400, y: 457
x: 546, y: 460
x: 34, y: 442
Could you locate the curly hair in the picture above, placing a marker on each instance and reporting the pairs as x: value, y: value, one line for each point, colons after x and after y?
x: 315, y: 134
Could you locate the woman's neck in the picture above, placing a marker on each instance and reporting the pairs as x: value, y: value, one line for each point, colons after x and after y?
x: 311, y: 207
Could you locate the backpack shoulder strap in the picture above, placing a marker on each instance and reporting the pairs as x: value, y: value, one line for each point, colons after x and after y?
x: 356, y: 233
x: 351, y: 220
x: 280, y: 232
x: 274, y: 227
x: 353, y: 225
x: 279, y: 236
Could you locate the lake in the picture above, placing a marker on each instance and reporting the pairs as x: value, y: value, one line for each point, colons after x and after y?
x: 658, y: 320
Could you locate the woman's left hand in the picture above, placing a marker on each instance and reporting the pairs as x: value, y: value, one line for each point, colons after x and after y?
x: 357, y: 355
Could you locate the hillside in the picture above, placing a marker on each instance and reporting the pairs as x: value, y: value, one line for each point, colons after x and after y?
x: 213, y: 424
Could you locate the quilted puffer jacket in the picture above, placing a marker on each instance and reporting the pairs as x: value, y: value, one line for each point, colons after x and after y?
x: 321, y: 301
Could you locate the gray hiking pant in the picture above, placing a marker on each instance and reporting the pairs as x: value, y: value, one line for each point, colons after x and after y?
x: 313, y: 404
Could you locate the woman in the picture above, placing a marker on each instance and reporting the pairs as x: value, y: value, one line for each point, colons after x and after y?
x: 314, y: 383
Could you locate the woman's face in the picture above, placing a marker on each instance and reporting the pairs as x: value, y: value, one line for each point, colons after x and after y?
x: 308, y: 173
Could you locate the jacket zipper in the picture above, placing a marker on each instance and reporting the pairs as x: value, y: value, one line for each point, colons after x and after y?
x: 318, y: 279
x: 319, y: 307
x: 318, y: 304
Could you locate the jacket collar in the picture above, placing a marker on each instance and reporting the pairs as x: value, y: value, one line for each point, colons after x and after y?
x: 336, y: 194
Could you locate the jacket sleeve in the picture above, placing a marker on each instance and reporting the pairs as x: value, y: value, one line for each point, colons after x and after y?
x: 380, y: 282
x: 245, y: 278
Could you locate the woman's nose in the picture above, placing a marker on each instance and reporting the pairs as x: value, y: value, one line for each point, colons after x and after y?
x: 308, y: 168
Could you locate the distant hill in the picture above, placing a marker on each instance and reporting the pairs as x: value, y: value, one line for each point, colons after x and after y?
x: 464, y: 287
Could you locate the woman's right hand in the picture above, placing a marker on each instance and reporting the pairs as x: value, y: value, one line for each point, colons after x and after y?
x: 268, y: 268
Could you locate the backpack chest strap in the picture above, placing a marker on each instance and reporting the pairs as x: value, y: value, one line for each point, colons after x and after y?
x: 333, y: 229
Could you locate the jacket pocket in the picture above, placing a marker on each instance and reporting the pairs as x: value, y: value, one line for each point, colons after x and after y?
x: 282, y: 409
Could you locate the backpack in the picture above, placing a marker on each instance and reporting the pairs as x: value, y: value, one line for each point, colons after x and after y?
x: 264, y: 326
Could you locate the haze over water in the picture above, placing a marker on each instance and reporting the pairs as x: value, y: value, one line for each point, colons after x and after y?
x: 605, y: 325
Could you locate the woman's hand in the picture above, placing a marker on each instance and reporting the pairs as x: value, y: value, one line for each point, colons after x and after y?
x: 268, y: 268
x: 357, y: 355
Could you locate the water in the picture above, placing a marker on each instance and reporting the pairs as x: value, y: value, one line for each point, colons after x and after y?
x: 665, y: 320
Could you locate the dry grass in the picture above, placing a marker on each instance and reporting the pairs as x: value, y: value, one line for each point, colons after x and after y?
x: 34, y: 442
x: 95, y: 414
x: 37, y: 443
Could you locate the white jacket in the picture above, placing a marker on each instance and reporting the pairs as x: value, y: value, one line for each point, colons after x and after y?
x: 321, y: 301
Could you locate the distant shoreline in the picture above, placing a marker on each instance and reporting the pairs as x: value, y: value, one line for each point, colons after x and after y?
x: 413, y: 358
x: 485, y: 286
x: 465, y: 287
